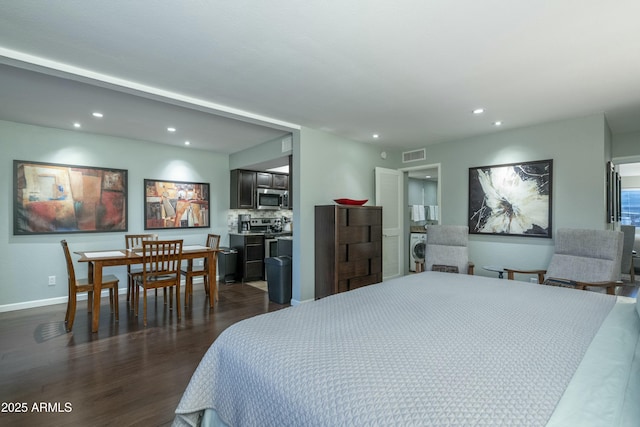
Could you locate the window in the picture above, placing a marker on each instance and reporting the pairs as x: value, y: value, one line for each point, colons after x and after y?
x: 630, y: 206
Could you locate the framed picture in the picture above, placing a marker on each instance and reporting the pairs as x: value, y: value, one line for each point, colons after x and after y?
x: 56, y: 198
x: 511, y: 199
x: 614, y: 194
x: 175, y: 204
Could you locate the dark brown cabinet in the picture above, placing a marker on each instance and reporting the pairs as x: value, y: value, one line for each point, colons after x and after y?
x: 277, y: 181
x: 244, y: 184
x: 264, y: 180
x: 348, y: 248
x: 280, y: 182
x: 243, y: 189
x: 250, y: 249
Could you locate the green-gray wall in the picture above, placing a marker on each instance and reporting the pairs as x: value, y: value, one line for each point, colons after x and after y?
x: 27, y: 261
x: 579, y: 150
x: 325, y: 167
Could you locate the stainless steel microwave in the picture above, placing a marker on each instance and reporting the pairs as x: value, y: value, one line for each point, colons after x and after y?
x: 268, y: 198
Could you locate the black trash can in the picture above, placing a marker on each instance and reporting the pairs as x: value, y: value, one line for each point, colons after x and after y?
x: 227, y: 259
x: 279, y: 278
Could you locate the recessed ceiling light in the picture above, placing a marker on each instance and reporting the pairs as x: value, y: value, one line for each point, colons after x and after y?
x: 478, y: 111
x: 428, y: 176
x: 187, y: 143
x: 76, y: 125
x: 498, y: 123
x: 376, y: 136
x: 98, y: 115
x: 171, y: 129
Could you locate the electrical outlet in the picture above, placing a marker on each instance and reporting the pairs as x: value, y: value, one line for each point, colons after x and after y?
x: 52, y: 280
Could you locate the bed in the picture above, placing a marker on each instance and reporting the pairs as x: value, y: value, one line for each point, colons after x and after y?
x: 428, y: 349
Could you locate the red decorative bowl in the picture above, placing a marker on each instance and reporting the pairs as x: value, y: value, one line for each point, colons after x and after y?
x: 351, y: 202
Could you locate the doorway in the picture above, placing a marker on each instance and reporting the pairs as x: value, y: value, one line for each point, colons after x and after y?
x: 423, y: 208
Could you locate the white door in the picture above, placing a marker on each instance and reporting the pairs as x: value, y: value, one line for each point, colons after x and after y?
x: 390, y: 195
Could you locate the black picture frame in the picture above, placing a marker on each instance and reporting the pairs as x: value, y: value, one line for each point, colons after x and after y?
x: 176, y: 204
x: 614, y: 194
x: 54, y: 198
x: 512, y: 199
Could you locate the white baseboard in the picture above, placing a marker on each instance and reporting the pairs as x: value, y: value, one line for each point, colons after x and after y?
x: 63, y: 300
x: 50, y: 301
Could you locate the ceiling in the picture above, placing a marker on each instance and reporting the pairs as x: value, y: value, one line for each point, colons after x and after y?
x: 230, y: 75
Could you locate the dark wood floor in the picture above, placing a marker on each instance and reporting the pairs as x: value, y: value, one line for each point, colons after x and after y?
x: 125, y: 374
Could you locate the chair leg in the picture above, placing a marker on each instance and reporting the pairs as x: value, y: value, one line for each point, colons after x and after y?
x: 66, y: 314
x: 178, y: 300
x: 71, y: 311
x: 187, y: 291
x: 136, y: 300
x: 144, y: 312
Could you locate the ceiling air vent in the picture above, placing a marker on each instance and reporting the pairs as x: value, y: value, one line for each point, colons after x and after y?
x: 414, y: 156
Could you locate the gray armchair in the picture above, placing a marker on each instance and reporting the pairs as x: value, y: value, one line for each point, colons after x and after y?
x: 582, y: 259
x: 447, y: 249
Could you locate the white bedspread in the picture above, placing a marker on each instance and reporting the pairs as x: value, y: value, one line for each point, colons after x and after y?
x: 427, y: 349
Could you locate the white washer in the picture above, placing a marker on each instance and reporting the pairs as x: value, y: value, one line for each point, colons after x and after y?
x: 417, y: 249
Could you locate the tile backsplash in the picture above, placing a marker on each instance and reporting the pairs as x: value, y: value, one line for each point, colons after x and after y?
x: 232, y: 216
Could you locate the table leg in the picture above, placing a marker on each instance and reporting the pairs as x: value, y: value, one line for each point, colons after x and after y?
x: 213, y: 281
x: 97, y: 291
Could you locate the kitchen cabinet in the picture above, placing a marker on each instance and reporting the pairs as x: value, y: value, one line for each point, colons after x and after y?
x: 348, y: 248
x: 264, y: 180
x: 243, y: 189
x: 244, y: 184
x: 280, y: 181
x: 250, y: 257
x: 277, y: 181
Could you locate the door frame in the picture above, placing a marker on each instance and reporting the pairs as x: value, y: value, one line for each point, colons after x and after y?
x: 405, y: 218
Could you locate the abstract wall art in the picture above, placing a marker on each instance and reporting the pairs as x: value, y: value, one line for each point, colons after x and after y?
x: 175, y: 204
x: 57, y: 198
x: 511, y: 199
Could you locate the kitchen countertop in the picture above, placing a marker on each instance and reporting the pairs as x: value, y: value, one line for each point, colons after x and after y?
x: 263, y: 233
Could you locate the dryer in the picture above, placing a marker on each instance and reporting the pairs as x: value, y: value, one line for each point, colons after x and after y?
x: 417, y: 249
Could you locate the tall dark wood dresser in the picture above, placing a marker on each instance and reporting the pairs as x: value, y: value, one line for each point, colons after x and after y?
x: 348, y: 246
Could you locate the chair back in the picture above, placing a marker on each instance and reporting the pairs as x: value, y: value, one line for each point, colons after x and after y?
x: 213, y: 241
x: 161, y: 260
x: 135, y: 240
x: 586, y: 255
x: 629, y: 232
x: 447, y: 245
x: 71, y: 274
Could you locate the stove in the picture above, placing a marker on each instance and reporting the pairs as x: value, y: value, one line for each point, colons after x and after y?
x: 268, y: 226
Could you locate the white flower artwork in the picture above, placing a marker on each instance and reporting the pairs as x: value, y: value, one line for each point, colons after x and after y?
x: 512, y: 199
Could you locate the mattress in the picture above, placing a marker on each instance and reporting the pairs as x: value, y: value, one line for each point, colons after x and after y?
x: 426, y: 349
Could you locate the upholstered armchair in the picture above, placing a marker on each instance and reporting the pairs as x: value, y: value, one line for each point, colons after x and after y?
x: 447, y: 249
x: 582, y: 259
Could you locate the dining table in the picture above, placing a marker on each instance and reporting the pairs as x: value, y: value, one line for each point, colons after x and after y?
x: 98, y: 260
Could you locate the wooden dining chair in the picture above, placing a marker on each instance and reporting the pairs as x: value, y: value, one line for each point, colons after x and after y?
x: 135, y: 241
x: 82, y: 285
x: 160, y: 269
x: 191, y: 271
